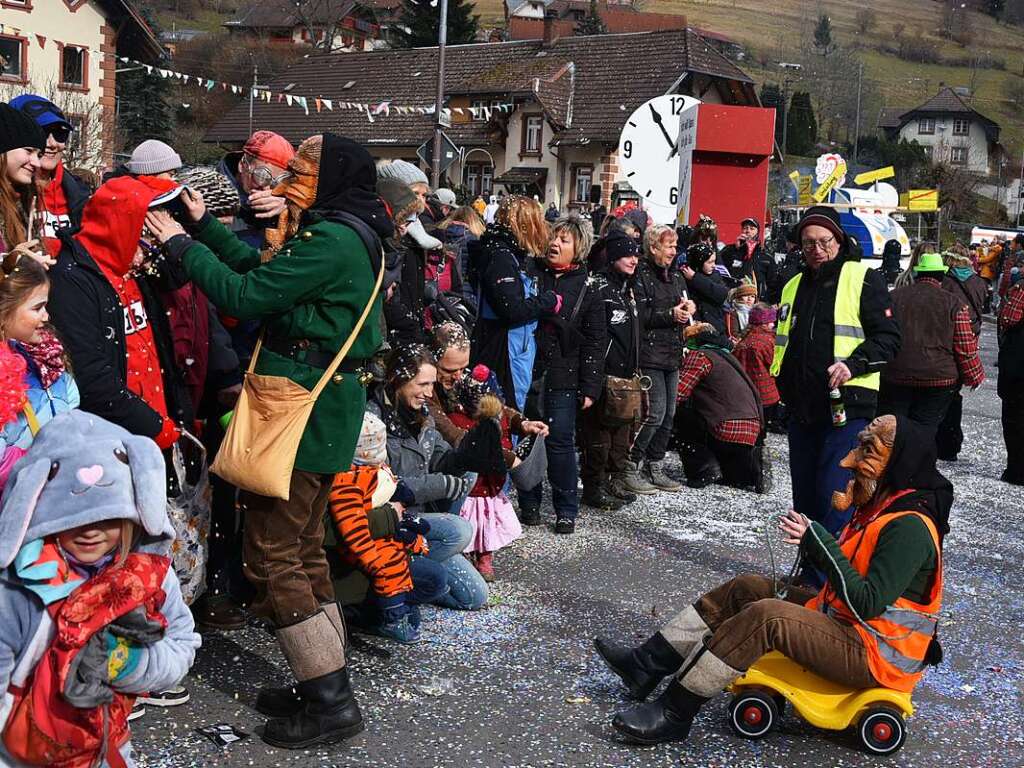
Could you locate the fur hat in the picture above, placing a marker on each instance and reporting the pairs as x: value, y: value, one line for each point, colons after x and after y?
x: 399, y: 197
x: 403, y: 171
x: 81, y: 469
x: 219, y: 194
x: 152, y: 157
x: 372, y: 445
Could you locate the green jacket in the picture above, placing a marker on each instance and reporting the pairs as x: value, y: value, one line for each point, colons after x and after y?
x: 315, y: 288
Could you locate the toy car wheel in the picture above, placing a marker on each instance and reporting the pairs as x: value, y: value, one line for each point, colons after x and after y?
x: 753, y: 714
x: 882, y: 730
x: 780, y: 705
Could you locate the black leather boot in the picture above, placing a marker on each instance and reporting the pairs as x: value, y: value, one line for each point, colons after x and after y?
x: 278, y: 702
x: 329, y: 713
x: 643, y: 668
x: 667, y: 718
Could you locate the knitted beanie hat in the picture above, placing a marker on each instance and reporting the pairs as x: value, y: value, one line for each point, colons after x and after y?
x: 403, y: 171
x: 619, y: 245
x: 152, y: 157
x: 745, y: 289
x: 219, y: 194
x: 762, y: 315
x: 18, y: 130
x: 372, y: 446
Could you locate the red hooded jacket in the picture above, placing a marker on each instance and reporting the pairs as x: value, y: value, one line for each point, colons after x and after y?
x: 111, y: 226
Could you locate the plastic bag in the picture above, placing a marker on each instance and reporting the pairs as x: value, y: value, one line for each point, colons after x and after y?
x: 189, y: 511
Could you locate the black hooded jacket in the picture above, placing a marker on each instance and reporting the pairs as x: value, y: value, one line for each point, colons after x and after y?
x: 803, y: 380
x: 658, y: 290
x: 622, y: 351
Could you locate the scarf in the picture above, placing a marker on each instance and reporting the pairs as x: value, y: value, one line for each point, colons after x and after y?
x: 48, y: 356
x: 962, y: 274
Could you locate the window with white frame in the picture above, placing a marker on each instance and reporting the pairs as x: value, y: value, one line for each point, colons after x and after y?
x: 583, y: 178
x: 958, y: 155
x: 926, y: 125
x: 533, y: 132
x: 961, y: 127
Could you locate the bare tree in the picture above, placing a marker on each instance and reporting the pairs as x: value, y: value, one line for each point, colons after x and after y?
x: 866, y: 19
x: 323, y: 21
x: 93, y: 130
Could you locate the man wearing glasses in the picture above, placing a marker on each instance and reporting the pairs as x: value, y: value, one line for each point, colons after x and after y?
x: 255, y: 172
x: 64, y: 194
x: 835, y: 331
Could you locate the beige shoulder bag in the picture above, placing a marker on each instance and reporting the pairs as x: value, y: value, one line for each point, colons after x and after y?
x: 259, y: 449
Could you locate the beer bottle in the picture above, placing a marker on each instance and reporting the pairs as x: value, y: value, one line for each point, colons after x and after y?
x: 835, y: 398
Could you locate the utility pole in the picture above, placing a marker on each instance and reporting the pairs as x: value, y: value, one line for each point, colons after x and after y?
x: 442, y: 38
x: 252, y: 93
x: 1020, y: 188
x: 856, y: 129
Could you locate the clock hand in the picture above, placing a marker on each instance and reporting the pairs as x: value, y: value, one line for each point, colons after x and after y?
x: 657, y: 119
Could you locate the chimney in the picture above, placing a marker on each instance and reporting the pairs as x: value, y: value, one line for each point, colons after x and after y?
x: 550, y: 36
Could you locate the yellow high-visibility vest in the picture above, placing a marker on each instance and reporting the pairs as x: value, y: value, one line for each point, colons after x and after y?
x: 849, y: 333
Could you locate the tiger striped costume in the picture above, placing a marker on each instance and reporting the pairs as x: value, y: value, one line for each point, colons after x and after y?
x: 384, y: 561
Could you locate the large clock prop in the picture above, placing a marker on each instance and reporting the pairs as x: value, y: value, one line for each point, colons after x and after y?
x: 656, y: 148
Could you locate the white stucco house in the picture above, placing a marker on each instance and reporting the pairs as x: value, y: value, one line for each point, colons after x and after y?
x: 65, y: 50
x: 950, y: 129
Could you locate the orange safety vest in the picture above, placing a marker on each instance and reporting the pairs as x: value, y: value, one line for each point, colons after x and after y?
x: 897, y: 658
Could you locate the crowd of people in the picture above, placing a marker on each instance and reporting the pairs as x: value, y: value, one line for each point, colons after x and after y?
x: 444, y: 360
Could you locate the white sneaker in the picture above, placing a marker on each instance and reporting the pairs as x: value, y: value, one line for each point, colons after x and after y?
x: 137, y: 711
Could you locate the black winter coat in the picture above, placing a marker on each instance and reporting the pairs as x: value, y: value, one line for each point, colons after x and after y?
x: 622, y: 350
x: 803, y: 380
x: 658, y: 290
x: 498, y: 264
x: 87, y: 313
x: 403, y: 312
x: 570, y: 344
x: 710, y: 293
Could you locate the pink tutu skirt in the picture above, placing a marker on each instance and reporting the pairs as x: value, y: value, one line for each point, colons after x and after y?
x: 494, y: 520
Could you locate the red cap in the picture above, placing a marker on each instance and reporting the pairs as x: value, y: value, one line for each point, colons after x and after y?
x: 270, y: 148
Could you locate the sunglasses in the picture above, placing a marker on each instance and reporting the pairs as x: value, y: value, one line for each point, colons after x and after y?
x: 60, y: 133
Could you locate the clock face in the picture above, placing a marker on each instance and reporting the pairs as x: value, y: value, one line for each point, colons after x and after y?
x: 648, y: 151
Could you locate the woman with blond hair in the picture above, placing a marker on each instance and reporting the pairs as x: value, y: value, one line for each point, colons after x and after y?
x: 462, y: 227
x: 569, y: 369
x: 507, y: 293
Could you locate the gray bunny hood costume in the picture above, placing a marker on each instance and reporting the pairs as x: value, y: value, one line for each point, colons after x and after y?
x: 82, y: 469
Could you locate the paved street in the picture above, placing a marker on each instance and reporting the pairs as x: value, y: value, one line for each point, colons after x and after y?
x: 518, y: 685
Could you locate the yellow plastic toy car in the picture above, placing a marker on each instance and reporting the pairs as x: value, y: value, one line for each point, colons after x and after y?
x: 760, y: 696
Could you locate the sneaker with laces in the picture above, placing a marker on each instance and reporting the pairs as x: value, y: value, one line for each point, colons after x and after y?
x: 172, y: 697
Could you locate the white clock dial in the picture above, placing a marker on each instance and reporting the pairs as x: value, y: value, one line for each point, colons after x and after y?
x: 648, y: 153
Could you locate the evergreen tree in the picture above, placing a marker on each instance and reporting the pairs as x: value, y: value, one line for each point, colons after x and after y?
x: 592, y: 23
x: 771, y: 97
x: 823, y: 35
x: 802, y: 128
x: 142, y: 102
x: 423, y: 20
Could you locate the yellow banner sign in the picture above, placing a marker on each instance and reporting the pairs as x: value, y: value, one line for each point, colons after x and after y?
x: 870, y: 177
x: 920, y: 200
x: 833, y: 178
x: 795, y: 178
x: 805, y: 190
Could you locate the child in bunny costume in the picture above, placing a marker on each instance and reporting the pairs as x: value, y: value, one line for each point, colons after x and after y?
x: 93, y: 612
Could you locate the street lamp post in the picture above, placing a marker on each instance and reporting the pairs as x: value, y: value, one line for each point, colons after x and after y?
x: 442, y: 38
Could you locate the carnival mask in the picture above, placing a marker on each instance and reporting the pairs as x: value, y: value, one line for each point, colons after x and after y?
x: 868, y: 461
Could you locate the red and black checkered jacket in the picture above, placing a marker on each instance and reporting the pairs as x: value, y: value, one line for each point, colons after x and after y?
x: 755, y: 352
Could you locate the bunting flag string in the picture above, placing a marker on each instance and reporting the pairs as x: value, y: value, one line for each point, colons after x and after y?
x: 383, y: 108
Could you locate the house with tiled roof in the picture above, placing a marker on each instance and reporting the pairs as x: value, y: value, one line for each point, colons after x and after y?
x: 949, y: 128
x: 350, y: 24
x: 533, y: 116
